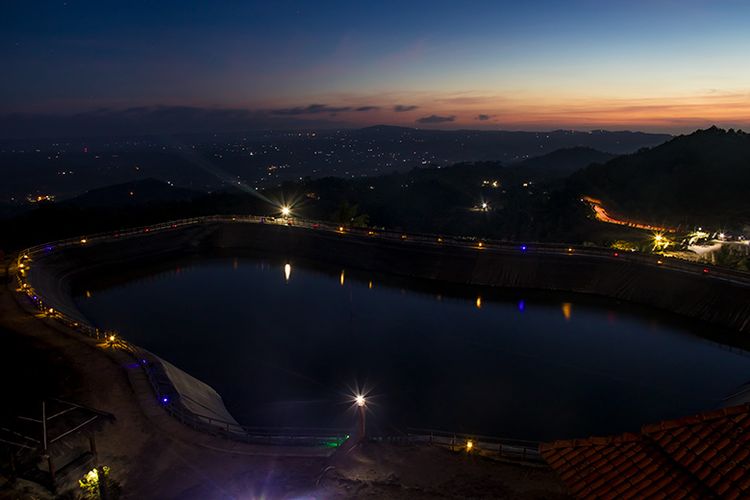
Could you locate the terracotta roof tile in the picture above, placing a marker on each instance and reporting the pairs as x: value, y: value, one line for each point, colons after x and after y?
x: 698, y: 456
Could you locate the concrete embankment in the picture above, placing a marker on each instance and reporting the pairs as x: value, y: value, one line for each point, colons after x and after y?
x: 703, y: 296
x: 696, y: 295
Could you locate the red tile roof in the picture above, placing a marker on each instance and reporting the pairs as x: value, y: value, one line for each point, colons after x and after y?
x: 701, y: 456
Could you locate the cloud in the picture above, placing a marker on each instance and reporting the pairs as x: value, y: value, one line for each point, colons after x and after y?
x: 483, y: 118
x: 154, y: 120
x: 367, y: 108
x: 312, y: 109
x: 436, y: 119
x: 402, y: 108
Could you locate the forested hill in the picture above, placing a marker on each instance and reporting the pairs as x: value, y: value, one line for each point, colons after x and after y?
x: 701, y: 178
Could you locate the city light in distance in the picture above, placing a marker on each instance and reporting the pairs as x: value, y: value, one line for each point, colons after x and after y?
x: 286, y: 211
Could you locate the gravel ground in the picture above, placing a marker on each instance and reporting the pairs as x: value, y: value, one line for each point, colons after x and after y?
x: 37, y: 360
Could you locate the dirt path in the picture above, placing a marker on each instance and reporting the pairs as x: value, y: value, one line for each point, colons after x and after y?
x: 154, y: 456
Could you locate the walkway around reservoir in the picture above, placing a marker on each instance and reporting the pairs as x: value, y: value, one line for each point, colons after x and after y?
x: 712, y: 294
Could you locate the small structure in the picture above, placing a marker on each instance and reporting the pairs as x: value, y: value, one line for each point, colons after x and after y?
x: 701, y: 456
x: 52, y: 441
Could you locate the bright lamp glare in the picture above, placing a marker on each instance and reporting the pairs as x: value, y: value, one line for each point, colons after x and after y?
x: 285, y: 211
x: 359, y: 399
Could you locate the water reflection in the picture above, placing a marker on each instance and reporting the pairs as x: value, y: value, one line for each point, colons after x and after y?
x: 566, y: 308
x: 433, y: 361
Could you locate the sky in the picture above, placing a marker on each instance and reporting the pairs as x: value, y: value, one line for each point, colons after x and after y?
x: 656, y: 65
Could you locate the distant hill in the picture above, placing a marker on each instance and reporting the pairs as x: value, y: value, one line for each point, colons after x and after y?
x: 506, y: 146
x: 132, y: 193
x: 701, y: 178
x: 560, y: 163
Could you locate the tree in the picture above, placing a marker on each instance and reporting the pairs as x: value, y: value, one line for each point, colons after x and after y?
x: 348, y: 214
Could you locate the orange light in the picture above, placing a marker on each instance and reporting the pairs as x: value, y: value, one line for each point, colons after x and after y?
x: 566, y: 310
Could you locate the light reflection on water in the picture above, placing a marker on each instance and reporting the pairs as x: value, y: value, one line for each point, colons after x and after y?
x: 283, y: 342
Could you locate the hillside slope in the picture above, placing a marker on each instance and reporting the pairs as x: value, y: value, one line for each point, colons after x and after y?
x: 697, y: 179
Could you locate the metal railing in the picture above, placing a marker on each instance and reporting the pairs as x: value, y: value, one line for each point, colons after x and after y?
x: 497, y: 447
x: 321, y: 437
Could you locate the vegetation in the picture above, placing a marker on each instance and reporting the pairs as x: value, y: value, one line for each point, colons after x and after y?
x: 697, y: 179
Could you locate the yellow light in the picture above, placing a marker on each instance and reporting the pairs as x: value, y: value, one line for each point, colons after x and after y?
x: 287, y: 271
x: 369, y: 285
x: 570, y: 250
x: 20, y: 266
x: 341, y: 229
x: 480, y: 245
x: 83, y: 240
x: 285, y: 211
x: 469, y: 445
x: 478, y: 302
x: 403, y: 236
x: 566, y: 310
x: 51, y: 310
x: 112, y: 338
x: 440, y: 240
x: 341, y: 278
x: 360, y: 400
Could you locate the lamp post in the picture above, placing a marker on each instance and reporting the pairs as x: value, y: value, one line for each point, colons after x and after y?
x: 361, y: 403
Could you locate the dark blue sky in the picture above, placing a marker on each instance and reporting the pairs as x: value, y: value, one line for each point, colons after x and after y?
x: 658, y: 64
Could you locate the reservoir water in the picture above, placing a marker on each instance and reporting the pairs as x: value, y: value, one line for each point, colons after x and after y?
x: 287, y: 343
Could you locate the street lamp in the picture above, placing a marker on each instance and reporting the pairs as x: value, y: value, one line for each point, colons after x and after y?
x: 286, y: 211
x: 361, y: 403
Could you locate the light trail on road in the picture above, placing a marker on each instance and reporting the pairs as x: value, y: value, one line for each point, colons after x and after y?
x: 601, y: 214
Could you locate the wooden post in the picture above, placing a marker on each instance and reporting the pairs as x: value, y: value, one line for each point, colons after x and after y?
x: 50, y: 463
x: 12, y: 461
x: 92, y: 448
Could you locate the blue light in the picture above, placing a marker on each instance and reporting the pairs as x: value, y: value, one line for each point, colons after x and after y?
x: 523, y: 248
x: 165, y: 400
x: 521, y: 305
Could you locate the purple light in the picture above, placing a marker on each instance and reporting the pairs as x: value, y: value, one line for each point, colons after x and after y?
x: 521, y: 305
x: 165, y: 400
x: 523, y: 248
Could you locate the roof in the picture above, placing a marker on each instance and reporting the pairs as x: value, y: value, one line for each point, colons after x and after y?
x: 701, y: 456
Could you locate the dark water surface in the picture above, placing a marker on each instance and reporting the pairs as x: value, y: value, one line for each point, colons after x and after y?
x: 512, y: 364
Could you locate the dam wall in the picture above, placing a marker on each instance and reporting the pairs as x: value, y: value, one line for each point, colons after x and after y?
x: 694, y: 292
